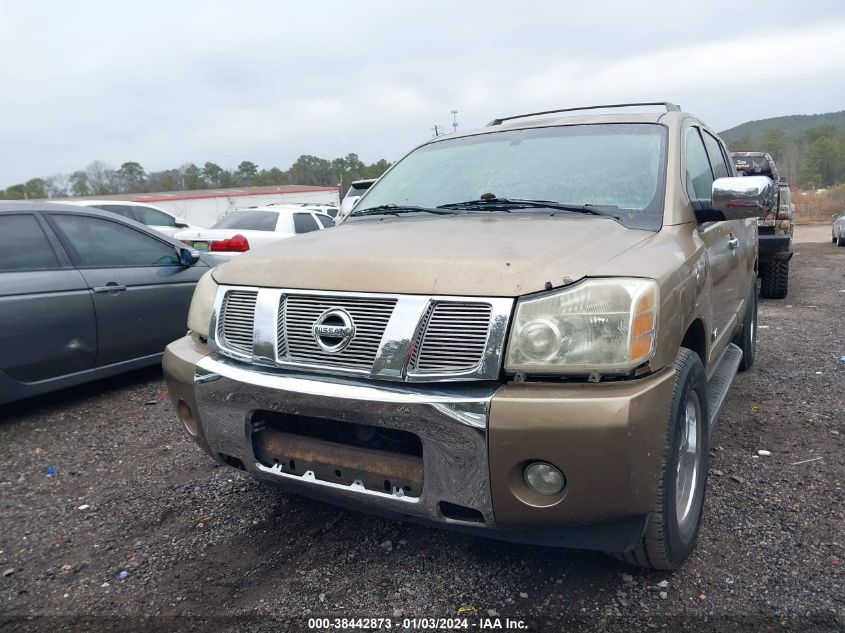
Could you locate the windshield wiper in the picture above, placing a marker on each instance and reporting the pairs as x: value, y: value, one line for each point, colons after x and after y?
x: 506, y: 204
x: 396, y: 209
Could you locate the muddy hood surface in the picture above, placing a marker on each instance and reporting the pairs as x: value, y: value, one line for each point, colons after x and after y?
x: 501, y: 256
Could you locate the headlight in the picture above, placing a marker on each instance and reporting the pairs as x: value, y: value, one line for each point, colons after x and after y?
x: 601, y: 325
x: 199, y: 315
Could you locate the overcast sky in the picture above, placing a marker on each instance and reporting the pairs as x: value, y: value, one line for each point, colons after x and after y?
x: 165, y: 83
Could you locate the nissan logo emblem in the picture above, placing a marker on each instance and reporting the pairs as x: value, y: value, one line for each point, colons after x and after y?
x: 333, y: 330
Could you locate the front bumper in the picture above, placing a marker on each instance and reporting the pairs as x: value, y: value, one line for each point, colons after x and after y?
x: 476, y: 438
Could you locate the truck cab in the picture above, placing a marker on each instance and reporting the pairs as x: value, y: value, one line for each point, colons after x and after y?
x: 524, y: 331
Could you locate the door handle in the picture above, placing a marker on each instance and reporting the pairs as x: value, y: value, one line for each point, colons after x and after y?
x: 110, y: 287
x: 733, y: 243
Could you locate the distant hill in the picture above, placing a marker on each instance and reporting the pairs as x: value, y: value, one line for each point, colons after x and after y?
x: 793, y: 124
x: 808, y: 148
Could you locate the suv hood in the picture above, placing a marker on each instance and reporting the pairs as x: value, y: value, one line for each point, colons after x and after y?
x: 470, y: 255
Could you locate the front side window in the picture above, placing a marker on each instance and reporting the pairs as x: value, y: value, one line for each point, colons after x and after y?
x: 304, y: 223
x: 699, y: 174
x: 248, y: 221
x: 154, y: 217
x: 23, y: 245
x: 325, y: 220
x: 717, y: 159
x: 101, y: 243
x: 618, y: 167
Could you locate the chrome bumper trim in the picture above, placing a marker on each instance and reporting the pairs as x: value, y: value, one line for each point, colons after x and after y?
x: 451, y: 422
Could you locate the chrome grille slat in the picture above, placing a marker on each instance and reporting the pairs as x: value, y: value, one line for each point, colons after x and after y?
x: 370, y: 316
x: 281, y: 338
x: 454, y: 338
x: 236, y: 323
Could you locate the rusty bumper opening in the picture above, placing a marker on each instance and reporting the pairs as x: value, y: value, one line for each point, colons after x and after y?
x: 383, y: 460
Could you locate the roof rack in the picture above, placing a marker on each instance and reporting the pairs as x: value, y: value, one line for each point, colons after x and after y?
x: 670, y: 107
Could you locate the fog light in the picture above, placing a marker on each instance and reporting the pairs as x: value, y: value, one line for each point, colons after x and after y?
x: 187, y: 418
x: 543, y: 478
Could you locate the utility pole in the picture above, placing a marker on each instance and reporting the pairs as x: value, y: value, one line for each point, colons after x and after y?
x: 454, y: 120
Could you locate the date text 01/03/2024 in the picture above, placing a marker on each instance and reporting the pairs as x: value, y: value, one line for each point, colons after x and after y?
x: 428, y: 624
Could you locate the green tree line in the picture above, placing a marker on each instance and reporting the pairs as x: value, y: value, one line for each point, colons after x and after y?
x: 810, y: 159
x: 99, y: 178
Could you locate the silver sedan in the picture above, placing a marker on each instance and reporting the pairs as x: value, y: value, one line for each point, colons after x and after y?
x: 837, y: 231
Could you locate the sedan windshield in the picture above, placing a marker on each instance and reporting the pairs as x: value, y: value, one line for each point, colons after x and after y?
x: 248, y: 221
x: 616, y: 169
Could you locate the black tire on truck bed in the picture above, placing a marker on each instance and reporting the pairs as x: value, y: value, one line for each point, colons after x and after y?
x: 774, y: 279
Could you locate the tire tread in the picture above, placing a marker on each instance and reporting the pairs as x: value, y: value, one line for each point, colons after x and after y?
x: 774, y: 279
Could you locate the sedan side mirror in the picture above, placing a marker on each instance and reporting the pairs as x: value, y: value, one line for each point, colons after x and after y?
x: 743, y: 197
x: 180, y: 223
x: 187, y: 256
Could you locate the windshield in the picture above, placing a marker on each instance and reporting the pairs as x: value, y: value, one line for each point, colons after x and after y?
x: 248, y: 221
x: 608, y: 165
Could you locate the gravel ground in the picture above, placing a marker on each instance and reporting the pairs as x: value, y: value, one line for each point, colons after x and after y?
x: 100, y: 483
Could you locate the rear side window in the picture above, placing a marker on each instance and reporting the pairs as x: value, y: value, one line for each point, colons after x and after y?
x: 121, y: 209
x: 304, y: 223
x: 153, y: 217
x: 699, y: 175
x: 717, y: 158
x: 101, y: 243
x: 325, y: 220
x: 248, y: 221
x: 23, y: 245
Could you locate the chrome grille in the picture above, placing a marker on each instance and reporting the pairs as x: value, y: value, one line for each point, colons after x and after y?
x: 301, y: 311
x: 237, y: 320
x: 454, y: 338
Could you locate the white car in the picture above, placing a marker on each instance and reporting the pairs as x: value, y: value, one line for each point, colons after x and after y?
x: 245, y: 229
x: 155, y: 218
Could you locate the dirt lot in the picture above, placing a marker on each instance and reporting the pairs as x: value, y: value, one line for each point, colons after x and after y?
x: 100, y: 483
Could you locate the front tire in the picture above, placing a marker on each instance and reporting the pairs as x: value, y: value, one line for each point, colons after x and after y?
x: 673, y: 524
x: 840, y: 241
x: 774, y: 279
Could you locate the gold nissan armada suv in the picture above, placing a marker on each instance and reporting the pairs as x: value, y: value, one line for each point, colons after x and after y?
x: 524, y: 331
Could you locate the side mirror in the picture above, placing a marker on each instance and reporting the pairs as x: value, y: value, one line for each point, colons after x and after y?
x: 743, y: 197
x: 187, y: 256
x: 181, y: 223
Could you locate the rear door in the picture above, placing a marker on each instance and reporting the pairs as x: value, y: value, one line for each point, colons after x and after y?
x: 47, y: 323
x: 721, y: 259
x: 743, y: 237
x: 141, y: 293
